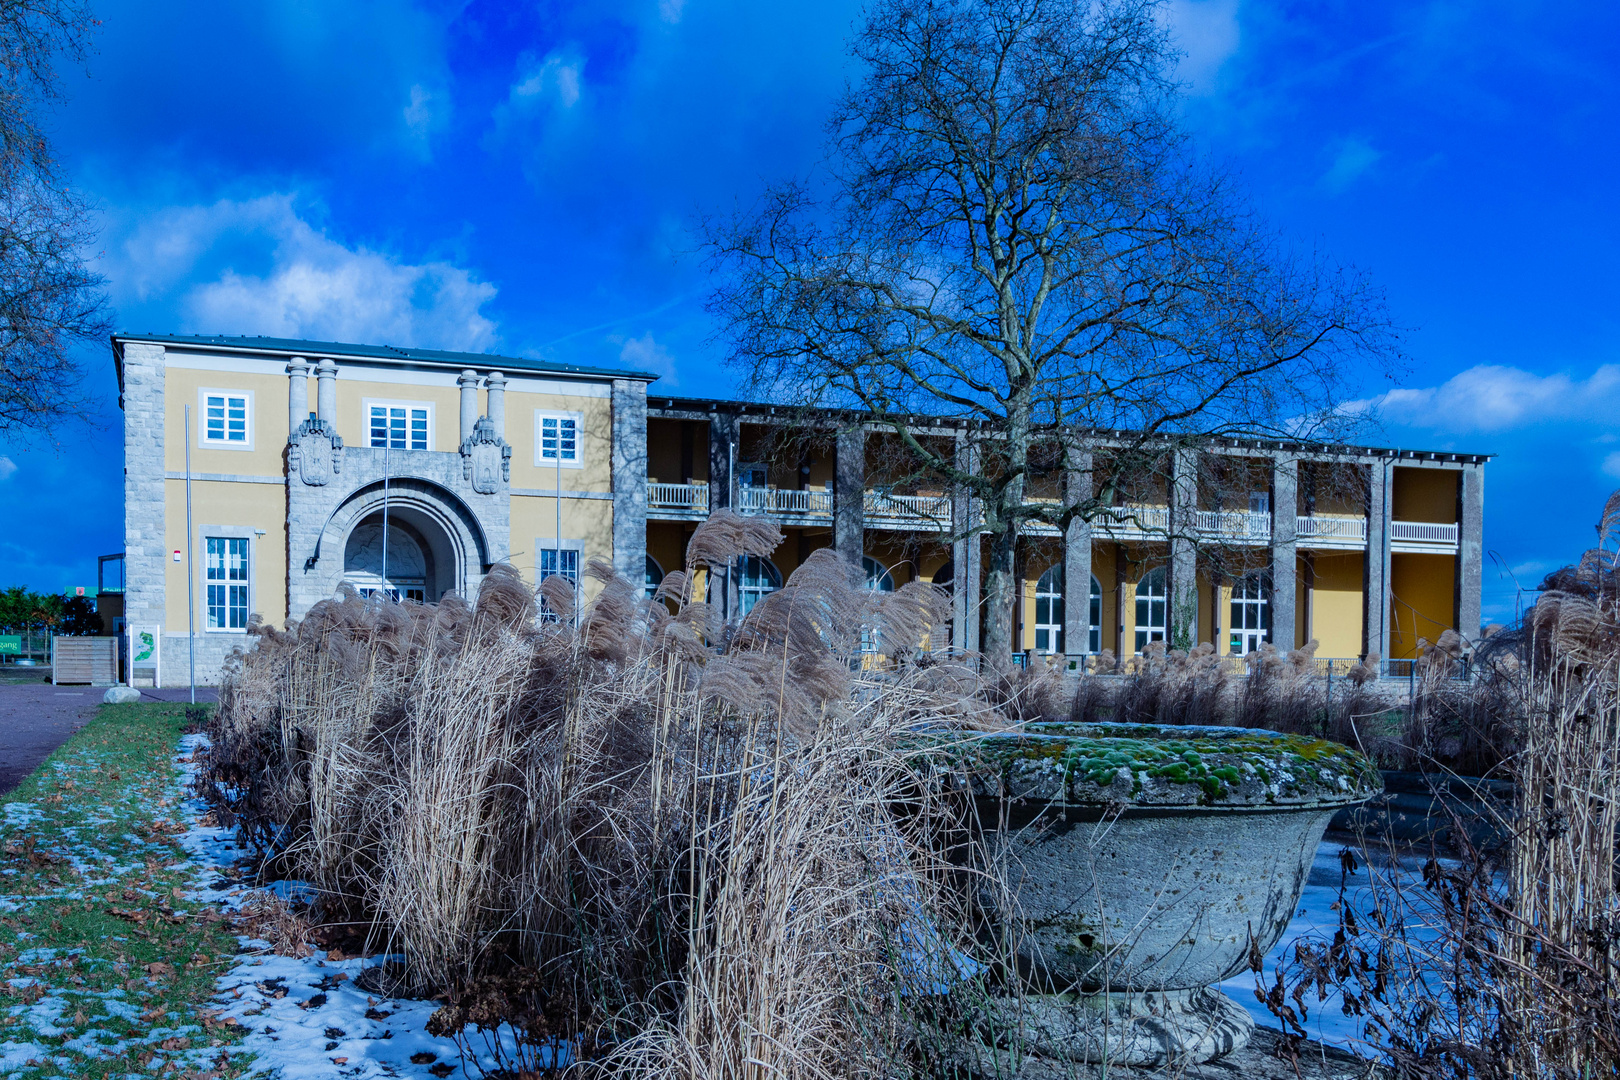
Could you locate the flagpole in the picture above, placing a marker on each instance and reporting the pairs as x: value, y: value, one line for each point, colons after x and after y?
x: 191, y: 573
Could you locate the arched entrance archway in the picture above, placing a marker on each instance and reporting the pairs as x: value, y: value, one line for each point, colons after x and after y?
x: 439, y: 538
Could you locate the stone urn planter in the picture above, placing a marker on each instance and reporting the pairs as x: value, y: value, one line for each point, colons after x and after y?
x: 1132, y: 866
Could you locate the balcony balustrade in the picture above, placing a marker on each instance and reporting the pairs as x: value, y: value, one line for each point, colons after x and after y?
x: 932, y: 513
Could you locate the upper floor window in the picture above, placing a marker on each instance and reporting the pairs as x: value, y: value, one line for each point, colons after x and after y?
x: 556, y: 439
x: 227, y: 578
x: 399, y: 425
x: 227, y: 419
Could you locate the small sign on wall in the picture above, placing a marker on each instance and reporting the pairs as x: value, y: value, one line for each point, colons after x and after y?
x: 145, y: 656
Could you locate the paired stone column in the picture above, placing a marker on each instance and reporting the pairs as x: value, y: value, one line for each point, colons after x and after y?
x: 326, y: 390
x: 297, y: 394
x: 629, y: 475
x: 966, y: 554
x: 849, y: 496
x: 1183, y: 585
x: 496, y: 384
x: 1470, y: 548
x: 1284, y: 536
x: 1375, y: 589
x: 468, y: 382
x: 1077, y: 560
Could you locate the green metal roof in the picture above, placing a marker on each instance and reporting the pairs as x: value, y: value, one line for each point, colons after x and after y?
x: 317, y: 349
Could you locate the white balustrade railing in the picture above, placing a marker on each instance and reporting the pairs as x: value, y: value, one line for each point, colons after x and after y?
x: 1423, y: 532
x: 1331, y: 528
x: 1118, y: 521
x: 785, y: 501
x: 884, y: 505
x: 678, y: 496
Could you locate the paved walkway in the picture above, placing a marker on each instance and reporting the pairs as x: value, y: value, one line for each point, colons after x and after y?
x: 36, y: 718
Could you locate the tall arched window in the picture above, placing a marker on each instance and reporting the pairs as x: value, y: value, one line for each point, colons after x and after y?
x: 1049, y: 611
x: 878, y: 578
x: 1251, y: 612
x: 1094, y: 639
x: 757, y: 578
x: 655, y: 576
x: 1151, y: 607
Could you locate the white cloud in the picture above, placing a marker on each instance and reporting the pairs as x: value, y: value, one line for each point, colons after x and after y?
x: 1207, y: 33
x: 645, y: 354
x: 426, y: 114
x: 558, y: 78
x: 302, y: 283
x: 1611, y: 466
x: 7, y: 467
x: 670, y: 10
x: 1490, y: 397
x: 1352, y: 159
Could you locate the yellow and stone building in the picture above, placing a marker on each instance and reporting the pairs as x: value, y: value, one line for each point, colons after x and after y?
x: 298, y: 452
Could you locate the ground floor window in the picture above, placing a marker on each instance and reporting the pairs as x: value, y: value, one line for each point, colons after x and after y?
x: 227, y: 578
x: 655, y: 576
x: 757, y: 578
x: 1151, y: 608
x: 1251, y: 613
x: 564, y: 561
x: 1049, y: 611
x: 1094, y: 639
x: 878, y: 578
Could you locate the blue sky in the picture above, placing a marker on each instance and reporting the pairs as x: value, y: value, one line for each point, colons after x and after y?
x: 524, y: 178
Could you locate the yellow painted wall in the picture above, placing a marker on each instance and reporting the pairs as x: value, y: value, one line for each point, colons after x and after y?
x: 1423, y: 592
x: 1425, y: 495
x: 255, y: 506
x: 268, y: 427
x: 351, y: 422
x: 1102, y: 568
x: 1337, y: 604
x: 534, y: 521
x: 596, y: 443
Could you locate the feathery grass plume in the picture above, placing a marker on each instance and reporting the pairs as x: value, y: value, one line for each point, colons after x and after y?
x: 727, y: 536
x: 613, y: 626
x: 560, y: 598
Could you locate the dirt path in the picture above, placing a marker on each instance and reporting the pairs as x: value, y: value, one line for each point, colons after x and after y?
x: 36, y: 718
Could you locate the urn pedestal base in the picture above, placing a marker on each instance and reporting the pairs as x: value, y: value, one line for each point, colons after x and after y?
x: 1170, y: 1027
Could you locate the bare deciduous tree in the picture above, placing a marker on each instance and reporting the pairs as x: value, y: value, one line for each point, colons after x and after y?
x: 1013, y: 229
x: 50, y: 298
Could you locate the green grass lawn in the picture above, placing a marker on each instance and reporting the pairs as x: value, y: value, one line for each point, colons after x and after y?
x: 104, y: 966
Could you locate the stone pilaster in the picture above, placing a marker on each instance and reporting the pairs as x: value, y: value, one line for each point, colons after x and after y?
x: 849, y: 496
x: 1375, y: 594
x: 1470, y: 548
x: 1183, y: 584
x: 145, y: 541
x: 629, y: 477
x: 1077, y: 560
x: 1284, y: 530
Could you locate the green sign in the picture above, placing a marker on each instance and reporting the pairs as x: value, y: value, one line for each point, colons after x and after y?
x: 11, y: 643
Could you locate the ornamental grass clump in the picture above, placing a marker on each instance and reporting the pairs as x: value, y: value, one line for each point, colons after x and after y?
x: 648, y: 842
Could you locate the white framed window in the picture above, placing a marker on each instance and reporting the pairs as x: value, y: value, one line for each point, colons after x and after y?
x: 1251, y: 613
x: 757, y: 578
x: 1049, y: 611
x: 224, y: 419
x: 225, y: 572
x: 554, y: 557
x: 1151, y: 607
x: 398, y: 425
x: 1094, y: 639
x: 557, y: 439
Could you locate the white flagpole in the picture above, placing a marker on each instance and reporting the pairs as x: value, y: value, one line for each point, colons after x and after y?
x: 191, y: 573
